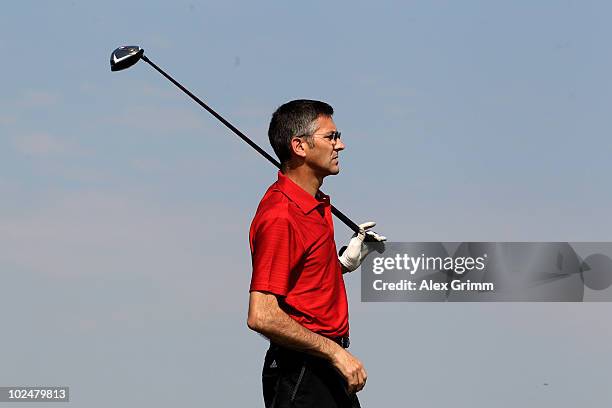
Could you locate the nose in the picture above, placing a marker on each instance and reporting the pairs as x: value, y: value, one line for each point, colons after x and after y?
x: 339, y: 145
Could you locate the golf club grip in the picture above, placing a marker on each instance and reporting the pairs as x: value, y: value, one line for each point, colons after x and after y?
x: 349, y: 223
x: 346, y: 220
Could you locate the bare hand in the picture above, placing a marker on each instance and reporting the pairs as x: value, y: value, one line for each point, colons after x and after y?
x: 351, y: 369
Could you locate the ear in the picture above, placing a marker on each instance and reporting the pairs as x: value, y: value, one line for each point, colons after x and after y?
x: 298, y: 147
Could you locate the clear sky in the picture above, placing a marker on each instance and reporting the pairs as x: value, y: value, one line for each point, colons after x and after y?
x: 124, y: 207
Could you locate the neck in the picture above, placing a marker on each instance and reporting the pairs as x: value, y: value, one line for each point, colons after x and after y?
x: 304, y: 178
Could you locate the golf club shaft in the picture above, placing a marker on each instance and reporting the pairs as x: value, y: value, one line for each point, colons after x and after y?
x: 346, y: 220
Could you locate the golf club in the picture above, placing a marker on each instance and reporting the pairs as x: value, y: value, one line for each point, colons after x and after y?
x: 126, y: 56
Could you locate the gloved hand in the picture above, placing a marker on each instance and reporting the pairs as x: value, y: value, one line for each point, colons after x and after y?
x: 355, y: 252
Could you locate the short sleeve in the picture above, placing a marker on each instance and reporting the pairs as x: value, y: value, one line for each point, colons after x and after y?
x: 276, y: 250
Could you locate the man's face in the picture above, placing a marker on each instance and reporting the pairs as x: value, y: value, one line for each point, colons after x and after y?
x: 322, y: 157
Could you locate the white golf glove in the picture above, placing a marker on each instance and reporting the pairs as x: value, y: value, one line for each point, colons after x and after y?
x: 357, y: 249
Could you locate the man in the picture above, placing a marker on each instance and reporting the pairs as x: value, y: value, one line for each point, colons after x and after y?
x: 297, y: 294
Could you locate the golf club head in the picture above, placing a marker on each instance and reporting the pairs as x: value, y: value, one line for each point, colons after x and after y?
x: 124, y: 57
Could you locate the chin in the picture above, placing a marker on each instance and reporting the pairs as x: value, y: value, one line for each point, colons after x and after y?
x: 328, y: 171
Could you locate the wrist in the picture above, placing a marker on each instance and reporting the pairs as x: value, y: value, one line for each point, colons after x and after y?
x: 332, y: 350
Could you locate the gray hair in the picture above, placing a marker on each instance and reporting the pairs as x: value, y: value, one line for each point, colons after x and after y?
x: 296, y: 118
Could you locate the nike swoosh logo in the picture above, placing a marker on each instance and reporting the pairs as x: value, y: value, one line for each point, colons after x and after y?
x: 116, y: 60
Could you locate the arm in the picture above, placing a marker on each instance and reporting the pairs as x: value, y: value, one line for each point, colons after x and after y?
x: 266, y: 317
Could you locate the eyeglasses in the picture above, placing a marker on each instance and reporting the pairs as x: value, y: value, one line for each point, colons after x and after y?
x: 331, y: 137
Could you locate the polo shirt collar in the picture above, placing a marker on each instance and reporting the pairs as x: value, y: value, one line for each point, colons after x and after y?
x: 299, y: 196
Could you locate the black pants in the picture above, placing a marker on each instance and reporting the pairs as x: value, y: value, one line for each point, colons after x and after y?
x: 294, y: 379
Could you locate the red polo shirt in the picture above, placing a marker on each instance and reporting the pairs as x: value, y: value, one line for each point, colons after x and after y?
x: 294, y: 256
